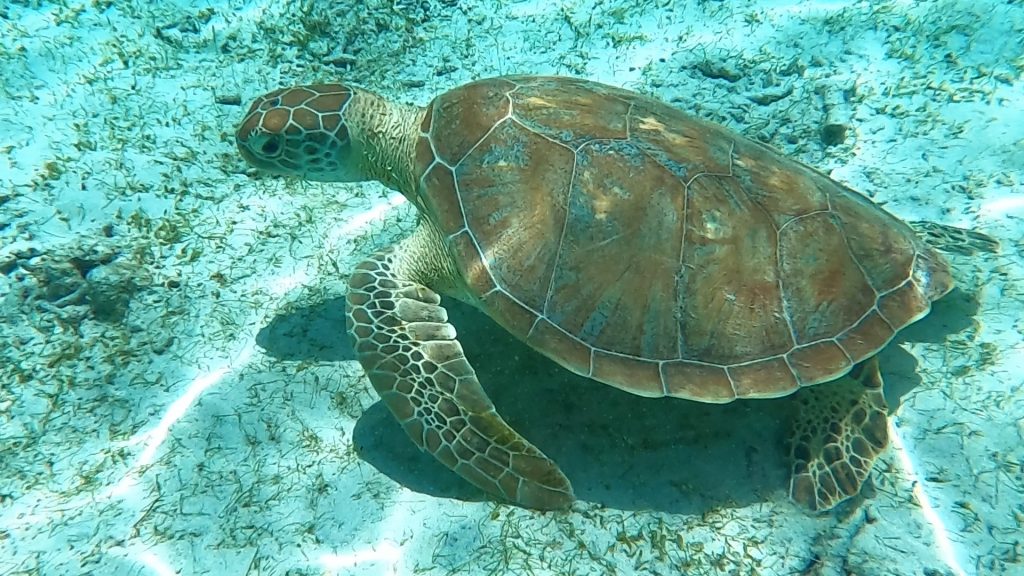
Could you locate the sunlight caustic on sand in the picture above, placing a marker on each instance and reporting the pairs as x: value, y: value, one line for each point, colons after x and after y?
x: 939, y: 530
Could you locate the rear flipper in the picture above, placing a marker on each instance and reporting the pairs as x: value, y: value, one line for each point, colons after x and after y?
x: 955, y: 240
x: 840, y: 430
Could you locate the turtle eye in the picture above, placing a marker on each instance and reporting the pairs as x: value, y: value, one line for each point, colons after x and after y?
x: 271, y: 146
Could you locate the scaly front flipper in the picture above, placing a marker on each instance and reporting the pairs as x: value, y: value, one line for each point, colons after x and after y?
x: 840, y: 430
x: 409, y: 351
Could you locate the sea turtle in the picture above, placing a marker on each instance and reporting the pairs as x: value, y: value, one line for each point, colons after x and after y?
x: 629, y: 242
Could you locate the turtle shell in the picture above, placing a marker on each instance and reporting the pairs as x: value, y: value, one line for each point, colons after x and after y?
x: 659, y: 253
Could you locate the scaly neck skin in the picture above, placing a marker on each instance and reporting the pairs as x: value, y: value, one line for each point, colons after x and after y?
x: 385, y: 135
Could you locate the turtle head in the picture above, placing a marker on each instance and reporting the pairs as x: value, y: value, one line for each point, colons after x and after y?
x: 301, y: 131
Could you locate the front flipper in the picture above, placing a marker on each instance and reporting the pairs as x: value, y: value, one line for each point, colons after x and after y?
x: 840, y: 430
x: 410, y: 354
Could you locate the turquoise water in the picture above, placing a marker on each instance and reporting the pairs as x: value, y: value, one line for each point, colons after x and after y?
x: 178, y: 395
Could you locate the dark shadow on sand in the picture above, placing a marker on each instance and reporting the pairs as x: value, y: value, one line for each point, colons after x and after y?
x: 619, y: 450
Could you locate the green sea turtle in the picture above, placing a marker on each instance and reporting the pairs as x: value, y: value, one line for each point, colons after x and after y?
x: 627, y: 241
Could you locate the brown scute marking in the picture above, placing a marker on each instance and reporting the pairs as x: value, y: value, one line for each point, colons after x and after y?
x: 432, y: 440
x: 568, y: 351
x: 764, y: 379
x: 824, y: 289
x: 307, y: 119
x: 697, y: 381
x: 859, y: 414
x: 488, y: 467
x: 866, y: 337
x: 509, y: 486
x: 446, y: 383
x: 541, y: 497
x: 641, y: 377
x: 399, y: 405
x: 882, y: 245
x: 449, y: 410
x: 359, y: 298
x: 296, y: 97
x: 831, y: 450
x: 513, y: 188
x: 331, y: 123
x: 818, y: 362
x: 440, y: 200
x: 860, y: 448
x: 369, y: 356
x: 446, y: 456
x: 729, y: 303
x: 464, y: 115
x: 684, y: 145
x: 446, y: 352
x: 362, y: 316
x: 331, y: 100
x: 499, y: 455
x: 620, y: 303
x: 507, y: 312
x: 471, y: 267
x: 846, y: 479
x: 524, y: 463
x: 784, y: 188
x: 275, y: 120
x: 903, y: 305
x: 552, y: 109
x: 827, y: 487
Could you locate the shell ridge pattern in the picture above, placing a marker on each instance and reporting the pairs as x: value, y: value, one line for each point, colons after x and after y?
x: 437, y: 160
x: 507, y: 117
x: 481, y: 253
x: 878, y: 295
x: 678, y: 279
x: 838, y: 223
x: 786, y: 314
x: 515, y: 114
x: 682, y: 253
x: 561, y: 243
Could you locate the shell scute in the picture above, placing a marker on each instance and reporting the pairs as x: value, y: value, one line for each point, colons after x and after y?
x: 658, y: 252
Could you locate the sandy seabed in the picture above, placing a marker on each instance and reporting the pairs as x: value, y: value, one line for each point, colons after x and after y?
x: 177, y: 395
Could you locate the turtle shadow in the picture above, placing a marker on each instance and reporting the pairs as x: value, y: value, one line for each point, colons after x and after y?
x: 313, y: 332
x: 619, y: 450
